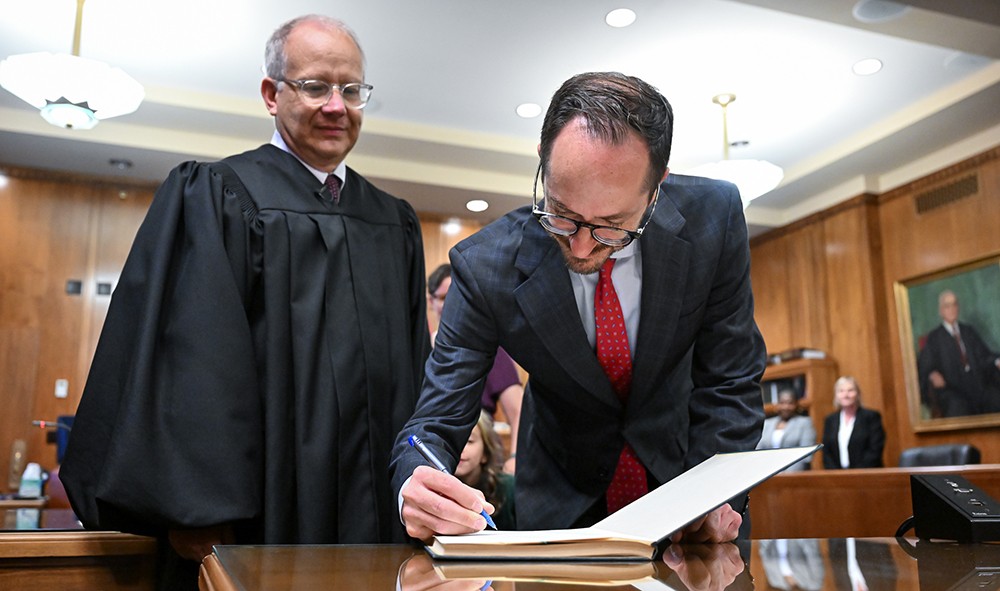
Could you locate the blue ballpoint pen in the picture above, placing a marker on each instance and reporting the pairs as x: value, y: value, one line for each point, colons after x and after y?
x: 433, y: 459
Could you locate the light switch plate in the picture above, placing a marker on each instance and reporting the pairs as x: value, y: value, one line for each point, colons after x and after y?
x: 18, y: 459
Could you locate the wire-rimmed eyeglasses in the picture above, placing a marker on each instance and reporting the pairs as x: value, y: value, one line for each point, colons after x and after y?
x: 318, y: 92
x: 607, y: 235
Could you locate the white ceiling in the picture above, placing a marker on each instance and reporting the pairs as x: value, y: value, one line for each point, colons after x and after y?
x: 449, y: 73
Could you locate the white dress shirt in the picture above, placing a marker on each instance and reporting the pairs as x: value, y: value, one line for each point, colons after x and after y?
x: 844, y: 436
x: 340, y: 172
x: 627, y: 278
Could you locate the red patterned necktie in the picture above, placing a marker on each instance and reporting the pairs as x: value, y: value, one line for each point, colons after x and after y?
x: 333, y: 184
x: 629, y: 482
x: 961, y: 348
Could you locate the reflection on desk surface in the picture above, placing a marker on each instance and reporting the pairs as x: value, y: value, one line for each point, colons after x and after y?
x: 870, y: 564
x: 864, y: 563
x: 39, y: 520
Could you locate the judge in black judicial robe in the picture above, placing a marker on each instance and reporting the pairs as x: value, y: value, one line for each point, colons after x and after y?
x: 261, y: 351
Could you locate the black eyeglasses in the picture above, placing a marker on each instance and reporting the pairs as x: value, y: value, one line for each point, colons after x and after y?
x: 607, y: 235
x: 318, y: 92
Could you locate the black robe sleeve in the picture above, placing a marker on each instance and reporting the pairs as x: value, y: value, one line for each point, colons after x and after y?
x: 168, y: 430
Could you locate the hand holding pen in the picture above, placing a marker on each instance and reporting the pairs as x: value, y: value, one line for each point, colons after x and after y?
x: 437, y: 463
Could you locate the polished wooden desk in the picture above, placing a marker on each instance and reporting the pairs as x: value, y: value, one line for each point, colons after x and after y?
x: 885, y: 563
x: 49, y: 549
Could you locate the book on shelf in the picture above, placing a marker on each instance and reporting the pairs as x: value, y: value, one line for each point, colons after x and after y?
x: 796, y: 353
x: 640, y: 530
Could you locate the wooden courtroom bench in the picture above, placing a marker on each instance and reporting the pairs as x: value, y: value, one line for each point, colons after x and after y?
x: 871, y: 502
x: 61, y: 555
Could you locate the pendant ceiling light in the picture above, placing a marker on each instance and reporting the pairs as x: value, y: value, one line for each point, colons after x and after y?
x: 72, y: 92
x: 752, y: 177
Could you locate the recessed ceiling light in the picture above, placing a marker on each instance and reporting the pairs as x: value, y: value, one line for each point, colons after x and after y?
x: 529, y: 110
x: 878, y: 11
x: 120, y: 163
x: 477, y: 205
x: 620, y: 17
x: 867, y: 67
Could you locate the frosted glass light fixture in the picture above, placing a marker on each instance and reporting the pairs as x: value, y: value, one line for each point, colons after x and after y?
x: 72, y: 92
x: 752, y: 177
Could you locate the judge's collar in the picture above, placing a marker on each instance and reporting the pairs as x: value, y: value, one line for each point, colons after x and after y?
x: 340, y: 172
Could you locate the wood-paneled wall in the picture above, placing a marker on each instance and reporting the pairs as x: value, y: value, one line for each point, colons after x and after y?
x: 824, y: 282
x: 817, y: 284
x: 827, y: 282
x: 55, y: 228
x: 439, y: 236
x: 955, y: 232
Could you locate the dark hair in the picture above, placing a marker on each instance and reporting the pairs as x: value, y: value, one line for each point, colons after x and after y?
x: 437, y: 277
x: 275, y: 60
x: 611, y: 104
x: 790, y: 391
x: 493, y: 453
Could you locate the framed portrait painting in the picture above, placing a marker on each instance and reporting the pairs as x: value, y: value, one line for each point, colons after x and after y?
x: 949, y: 323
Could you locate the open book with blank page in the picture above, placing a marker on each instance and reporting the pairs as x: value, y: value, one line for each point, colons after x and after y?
x: 640, y: 530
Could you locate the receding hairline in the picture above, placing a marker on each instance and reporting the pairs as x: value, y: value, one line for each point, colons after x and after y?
x: 279, y: 39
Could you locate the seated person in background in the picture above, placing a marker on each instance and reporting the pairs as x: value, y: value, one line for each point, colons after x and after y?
x: 853, y: 437
x: 480, y: 467
x: 788, y: 429
x: 503, y: 384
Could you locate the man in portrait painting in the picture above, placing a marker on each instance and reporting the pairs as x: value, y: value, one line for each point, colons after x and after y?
x: 959, y: 373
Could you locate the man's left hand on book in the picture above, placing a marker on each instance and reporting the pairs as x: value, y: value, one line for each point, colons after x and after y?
x: 438, y: 503
x: 721, y: 525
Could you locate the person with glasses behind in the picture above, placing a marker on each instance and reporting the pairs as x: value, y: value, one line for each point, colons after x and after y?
x: 253, y: 371
x: 625, y: 294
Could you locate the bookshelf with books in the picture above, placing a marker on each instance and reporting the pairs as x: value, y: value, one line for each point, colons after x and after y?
x: 812, y: 380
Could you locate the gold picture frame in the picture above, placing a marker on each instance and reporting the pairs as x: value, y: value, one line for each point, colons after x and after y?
x: 970, y: 397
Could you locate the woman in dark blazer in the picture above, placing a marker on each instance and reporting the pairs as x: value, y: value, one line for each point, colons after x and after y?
x: 852, y: 431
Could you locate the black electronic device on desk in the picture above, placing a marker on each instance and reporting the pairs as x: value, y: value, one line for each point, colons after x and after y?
x: 949, y: 507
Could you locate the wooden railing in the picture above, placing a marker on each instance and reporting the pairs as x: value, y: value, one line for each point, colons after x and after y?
x: 847, y: 503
